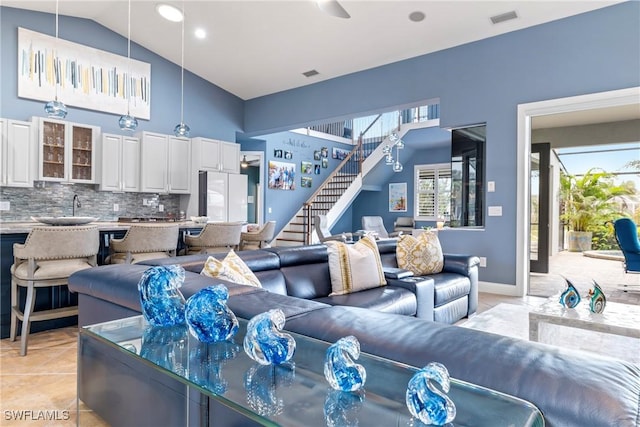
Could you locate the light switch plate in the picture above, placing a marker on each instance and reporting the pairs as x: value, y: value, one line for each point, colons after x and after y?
x: 5, y: 205
x: 495, y: 210
x: 491, y: 186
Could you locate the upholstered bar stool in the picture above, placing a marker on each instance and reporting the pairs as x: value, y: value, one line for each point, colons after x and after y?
x: 46, y: 259
x: 144, y: 242
x: 258, y: 239
x: 214, y: 237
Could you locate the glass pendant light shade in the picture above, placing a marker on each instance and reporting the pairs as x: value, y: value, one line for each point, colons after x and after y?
x: 393, y: 137
x: 55, y: 109
x: 397, y: 166
x: 400, y: 144
x: 182, y: 129
x: 388, y: 159
x: 386, y: 150
x: 128, y: 122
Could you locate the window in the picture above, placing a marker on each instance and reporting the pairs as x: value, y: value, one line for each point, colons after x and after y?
x: 433, y: 191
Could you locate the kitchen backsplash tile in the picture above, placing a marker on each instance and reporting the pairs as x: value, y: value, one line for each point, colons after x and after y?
x: 55, y: 199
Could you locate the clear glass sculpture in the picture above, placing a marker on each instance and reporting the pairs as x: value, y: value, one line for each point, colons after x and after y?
x: 265, y: 342
x: 160, y: 297
x: 206, y: 362
x: 166, y: 346
x: 570, y: 298
x: 597, y: 300
x: 208, y: 317
x: 339, y: 368
x: 341, y: 408
x: 262, y: 383
x: 425, y: 401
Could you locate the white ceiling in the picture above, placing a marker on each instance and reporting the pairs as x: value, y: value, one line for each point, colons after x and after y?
x: 259, y: 47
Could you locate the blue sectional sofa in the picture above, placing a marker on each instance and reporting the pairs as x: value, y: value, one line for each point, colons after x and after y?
x: 406, y: 321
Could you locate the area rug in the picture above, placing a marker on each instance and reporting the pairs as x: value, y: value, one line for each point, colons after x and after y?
x: 513, y: 321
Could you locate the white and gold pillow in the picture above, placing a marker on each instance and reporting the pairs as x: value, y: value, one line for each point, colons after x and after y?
x: 354, y: 267
x: 420, y: 255
x: 231, y: 268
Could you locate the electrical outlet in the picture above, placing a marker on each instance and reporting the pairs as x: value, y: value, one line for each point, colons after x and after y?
x: 145, y: 202
x: 161, y: 208
x: 269, y: 210
x: 483, y: 261
x: 116, y: 207
x: 5, y: 205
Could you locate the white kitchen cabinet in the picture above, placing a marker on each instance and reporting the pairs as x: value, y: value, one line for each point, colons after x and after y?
x: 216, y: 156
x: 17, y: 153
x: 164, y: 164
x: 120, y: 163
x: 67, y: 151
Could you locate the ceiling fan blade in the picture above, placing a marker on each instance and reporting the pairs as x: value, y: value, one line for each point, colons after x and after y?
x: 333, y: 8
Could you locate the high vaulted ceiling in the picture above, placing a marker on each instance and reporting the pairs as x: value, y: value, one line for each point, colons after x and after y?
x: 255, y: 48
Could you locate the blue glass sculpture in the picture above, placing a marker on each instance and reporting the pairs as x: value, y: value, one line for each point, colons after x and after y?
x: 425, y: 401
x: 262, y: 383
x: 208, y: 317
x: 160, y: 297
x: 264, y: 341
x: 166, y: 346
x: 206, y: 362
x: 341, y: 408
x: 56, y: 109
x: 597, y: 300
x: 339, y: 368
x: 570, y: 298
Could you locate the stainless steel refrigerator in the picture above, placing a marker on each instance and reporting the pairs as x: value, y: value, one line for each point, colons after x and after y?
x: 222, y: 196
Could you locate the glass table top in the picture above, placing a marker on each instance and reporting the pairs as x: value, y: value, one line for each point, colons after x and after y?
x: 286, y: 395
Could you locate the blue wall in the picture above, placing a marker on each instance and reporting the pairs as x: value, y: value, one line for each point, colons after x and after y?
x: 208, y: 110
x: 481, y: 82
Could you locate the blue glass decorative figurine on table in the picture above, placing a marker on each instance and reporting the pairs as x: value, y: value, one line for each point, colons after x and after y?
x: 425, y: 401
x: 341, y: 408
x: 206, y: 362
x: 597, y: 300
x: 340, y: 370
x: 264, y: 341
x: 570, y: 298
x: 160, y: 297
x: 208, y: 317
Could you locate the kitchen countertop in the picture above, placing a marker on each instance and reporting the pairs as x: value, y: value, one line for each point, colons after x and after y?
x: 18, y: 227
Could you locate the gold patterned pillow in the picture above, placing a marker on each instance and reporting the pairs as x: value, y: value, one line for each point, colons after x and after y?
x: 420, y: 255
x: 231, y: 268
x: 354, y: 267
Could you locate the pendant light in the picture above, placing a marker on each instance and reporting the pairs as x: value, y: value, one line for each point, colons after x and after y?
x: 397, y: 166
x: 182, y: 129
x: 56, y: 109
x: 128, y: 122
x: 244, y: 164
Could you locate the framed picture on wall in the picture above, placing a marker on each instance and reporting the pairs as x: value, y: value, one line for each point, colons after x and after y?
x: 282, y: 175
x: 339, y: 153
x: 306, y: 181
x: 288, y: 155
x: 398, y: 197
x: 316, y: 155
x: 316, y: 169
x: 306, y: 167
x: 324, y: 152
x: 277, y: 154
x: 325, y: 162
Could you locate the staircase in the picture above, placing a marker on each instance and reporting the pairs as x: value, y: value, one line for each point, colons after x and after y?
x: 338, y: 191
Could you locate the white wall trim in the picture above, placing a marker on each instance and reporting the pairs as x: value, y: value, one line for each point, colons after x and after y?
x: 497, y: 288
x: 525, y: 113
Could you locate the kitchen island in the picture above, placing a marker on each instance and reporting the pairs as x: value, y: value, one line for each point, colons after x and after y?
x: 17, y: 232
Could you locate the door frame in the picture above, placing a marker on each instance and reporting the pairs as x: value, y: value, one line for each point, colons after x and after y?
x: 259, y: 200
x: 525, y: 112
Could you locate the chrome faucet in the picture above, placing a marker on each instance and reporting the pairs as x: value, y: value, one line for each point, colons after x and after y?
x: 76, y: 204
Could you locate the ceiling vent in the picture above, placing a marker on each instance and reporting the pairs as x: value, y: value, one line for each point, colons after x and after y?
x: 504, y: 17
x: 310, y: 73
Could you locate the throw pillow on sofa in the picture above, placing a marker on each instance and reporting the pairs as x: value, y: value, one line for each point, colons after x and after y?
x: 420, y: 255
x: 354, y: 267
x: 231, y: 268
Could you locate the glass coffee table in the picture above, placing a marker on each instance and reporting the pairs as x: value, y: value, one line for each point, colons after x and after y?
x: 286, y: 395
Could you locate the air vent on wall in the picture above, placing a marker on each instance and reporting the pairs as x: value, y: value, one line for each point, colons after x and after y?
x: 310, y: 73
x: 504, y: 17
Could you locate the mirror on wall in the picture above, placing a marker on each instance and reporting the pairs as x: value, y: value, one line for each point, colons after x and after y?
x: 467, y: 176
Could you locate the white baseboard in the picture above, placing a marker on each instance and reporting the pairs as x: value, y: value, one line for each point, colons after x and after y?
x: 498, y: 288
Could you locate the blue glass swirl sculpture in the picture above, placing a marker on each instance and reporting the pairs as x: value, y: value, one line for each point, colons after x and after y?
x: 425, y: 401
x: 166, y: 346
x: 570, y: 298
x: 208, y: 317
x: 262, y: 383
x: 341, y: 408
x: 206, y: 362
x: 264, y: 341
x: 339, y: 368
x: 160, y: 297
x: 597, y: 300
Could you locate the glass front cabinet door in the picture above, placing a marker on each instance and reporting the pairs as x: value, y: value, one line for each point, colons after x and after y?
x: 67, y: 151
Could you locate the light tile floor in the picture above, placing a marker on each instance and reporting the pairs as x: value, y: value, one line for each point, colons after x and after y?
x: 44, y: 381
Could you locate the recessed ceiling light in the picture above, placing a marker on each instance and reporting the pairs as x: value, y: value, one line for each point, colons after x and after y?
x: 170, y: 13
x: 200, y: 33
x: 416, y: 16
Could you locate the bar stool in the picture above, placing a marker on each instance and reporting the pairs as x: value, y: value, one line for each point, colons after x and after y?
x: 258, y: 239
x: 214, y: 237
x: 46, y: 259
x: 144, y: 242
